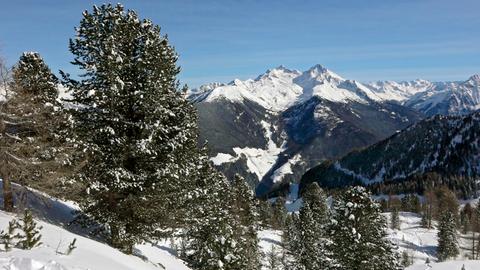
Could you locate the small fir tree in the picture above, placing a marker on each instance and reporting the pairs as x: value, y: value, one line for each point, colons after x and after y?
x: 273, y: 261
x: 243, y: 210
x: 290, y: 242
x: 447, y: 237
x: 406, y: 259
x: 279, y: 214
x: 312, y: 252
x: 394, y: 219
x: 210, y: 242
x: 9, y: 236
x: 31, y: 233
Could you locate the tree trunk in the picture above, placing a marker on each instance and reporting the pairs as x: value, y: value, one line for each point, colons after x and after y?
x: 7, y: 194
x: 114, y: 236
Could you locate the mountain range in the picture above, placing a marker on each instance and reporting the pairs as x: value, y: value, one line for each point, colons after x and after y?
x: 273, y: 128
x: 445, y: 145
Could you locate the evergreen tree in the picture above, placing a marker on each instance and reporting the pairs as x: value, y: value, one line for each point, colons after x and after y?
x: 406, y: 260
x: 9, y: 236
x: 279, y: 214
x: 210, y: 242
x: 273, y: 262
x: 290, y: 242
x: 312, y: 252
x: 31, y: 233
x: 447, y: 237
x: 32, y: 150
x: 264, y: 213
x: 244, y: 213
x: 464, y: 222
x: 134, y: 125
x: 358, y: 233
x: 394, y: 219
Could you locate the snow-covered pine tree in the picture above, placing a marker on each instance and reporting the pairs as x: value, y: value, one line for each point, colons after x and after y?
x: 137, y: 130
x: 394, y: 219
x: 406, y: 260
x: 7, y: 237
x: 290, y: 242
x: 209, y: 236
x: 273, y: 260
x: 243, y: 206
x: 358, y: 233
x: 447, y: 237
x: 31, y: 232
x: 32, y: 151
x: 312, y: 252
x: 278, y: 214
x: 317, y: 200
x: 264, y: 213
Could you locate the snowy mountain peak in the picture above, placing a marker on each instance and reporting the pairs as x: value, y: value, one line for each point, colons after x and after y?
x: 321, y: 73
x: 474, y: 78
x: 236, y: 82
x: 280, y: 72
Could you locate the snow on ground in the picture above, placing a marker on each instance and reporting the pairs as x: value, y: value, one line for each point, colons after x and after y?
x: 221, y: 158
x: 422, y: 243
x: 89, y: 254
x: 259, y: 161
x: 419, y: 242
x: 450, y: 265
x: 286, y: 169
x: 267, y: 239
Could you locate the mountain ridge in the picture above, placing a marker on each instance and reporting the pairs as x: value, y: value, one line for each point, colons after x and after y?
x: 272, y: 128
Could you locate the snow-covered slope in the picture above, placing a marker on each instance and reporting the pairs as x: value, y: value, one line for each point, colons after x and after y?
x: 399, y: 91
x: 446, y: 98
x: 421, y: 244
x: 449, y: 98
x: 451, y: 265
x: 89, y: 254
x: 418, y: 242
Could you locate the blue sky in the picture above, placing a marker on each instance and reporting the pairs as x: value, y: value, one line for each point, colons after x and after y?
x: 227, y: 39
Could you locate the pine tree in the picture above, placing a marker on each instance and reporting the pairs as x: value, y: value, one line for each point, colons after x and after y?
x: 273, y: 262
x: 406, y: 261
x: 210, y: 242
x: 279, y: 214
x: 264, y: 213
x: 245, y: 215
x: 137, y: 130
x: 290, y: 242
x: 32, y: 151
x: 312, y: 252
x: 394, y: 219
x: 31, y: 233
x: 447, y: 237
x: 9, y: 236
x: 358, y: 233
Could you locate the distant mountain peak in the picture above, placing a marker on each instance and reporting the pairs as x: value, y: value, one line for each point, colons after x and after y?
x: 320, y: 72
x: 278, y: 72
x: 475, y: 78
